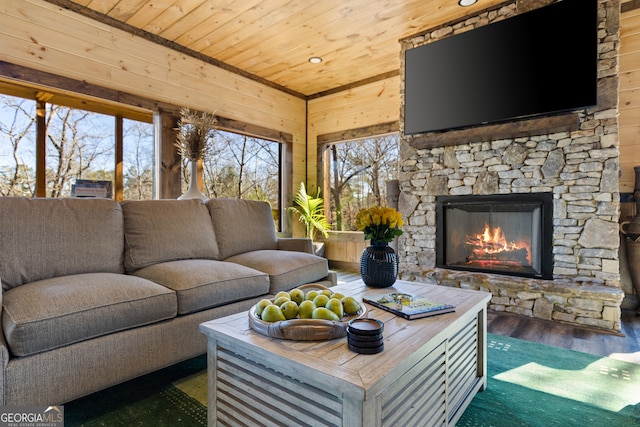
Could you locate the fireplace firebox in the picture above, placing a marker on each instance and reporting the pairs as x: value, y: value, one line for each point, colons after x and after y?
x: 506, y: 234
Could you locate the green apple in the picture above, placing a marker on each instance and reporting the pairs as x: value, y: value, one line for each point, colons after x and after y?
x: 335, y: 305
x: 289, y: 309
x: 281, y: 300
x: 337, y: 295
x: 272, y: 313
x: 326, y: 292
x: 261, y: 305
x: 282, y: 294
x: 297, y: 295
x: 325, y: 314
x: 311, y: 295
x: 350, y: 305
x: 306, y: 309
x: 321, y: 300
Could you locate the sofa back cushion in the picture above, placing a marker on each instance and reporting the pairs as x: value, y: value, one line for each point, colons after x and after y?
x: 45, y: 238
x: 242, y: 226
x: 166, y: 230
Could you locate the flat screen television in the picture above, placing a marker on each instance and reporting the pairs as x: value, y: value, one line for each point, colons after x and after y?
x: 540, y: 62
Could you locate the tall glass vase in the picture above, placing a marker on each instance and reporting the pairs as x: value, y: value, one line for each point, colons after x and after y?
x: 194, y: 191
x: 379, y: 265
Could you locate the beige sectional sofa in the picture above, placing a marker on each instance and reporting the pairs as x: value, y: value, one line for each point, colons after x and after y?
x: 96, y: 292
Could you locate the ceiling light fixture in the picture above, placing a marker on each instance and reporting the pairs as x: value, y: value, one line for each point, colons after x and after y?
x: 465, y: 3
x: 315, y: 60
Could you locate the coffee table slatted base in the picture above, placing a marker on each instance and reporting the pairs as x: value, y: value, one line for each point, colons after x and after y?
x: 419, y: 395
x: 463, y: 371
x: 249, y: 393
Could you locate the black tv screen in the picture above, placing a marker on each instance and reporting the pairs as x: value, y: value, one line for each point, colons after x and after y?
x: 539, y: 62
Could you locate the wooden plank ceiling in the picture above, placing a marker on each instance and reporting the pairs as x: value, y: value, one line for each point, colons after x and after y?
x: 274, y: 39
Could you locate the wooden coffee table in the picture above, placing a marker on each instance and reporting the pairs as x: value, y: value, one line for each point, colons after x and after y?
x: 428, y: 373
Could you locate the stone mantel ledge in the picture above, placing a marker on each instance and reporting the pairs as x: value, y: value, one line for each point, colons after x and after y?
x: 564, y: 301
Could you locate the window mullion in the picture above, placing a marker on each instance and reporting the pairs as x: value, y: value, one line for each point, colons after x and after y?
x: 118, y: 175
x: 41, y: 149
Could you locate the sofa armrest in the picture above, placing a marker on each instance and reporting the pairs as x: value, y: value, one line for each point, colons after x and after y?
x: 333, y: 277
x: 297, y: 244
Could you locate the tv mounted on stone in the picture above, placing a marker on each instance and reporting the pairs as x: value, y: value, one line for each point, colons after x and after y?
x: 541, y: 62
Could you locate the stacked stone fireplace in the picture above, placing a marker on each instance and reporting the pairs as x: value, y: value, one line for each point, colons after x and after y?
x: 573, y: 158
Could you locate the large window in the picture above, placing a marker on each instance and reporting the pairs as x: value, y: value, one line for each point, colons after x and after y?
x: 358, y: 173
x: 17, y: 146
x: 51, y: 138
x: 242, y: 167
x: 77, y: 144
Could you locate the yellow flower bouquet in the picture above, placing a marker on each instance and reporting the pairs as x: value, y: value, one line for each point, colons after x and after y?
x: 379, y: 223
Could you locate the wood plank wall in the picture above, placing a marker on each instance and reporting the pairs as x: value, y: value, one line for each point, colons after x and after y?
x: 39, y: 35
x: 629, y: 118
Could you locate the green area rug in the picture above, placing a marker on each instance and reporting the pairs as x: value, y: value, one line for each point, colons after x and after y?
x: 174, y: 396
x: 529, y: 384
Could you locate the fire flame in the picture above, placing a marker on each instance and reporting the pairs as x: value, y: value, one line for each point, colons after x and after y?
x: 494, y: 241
x: 491, y: 242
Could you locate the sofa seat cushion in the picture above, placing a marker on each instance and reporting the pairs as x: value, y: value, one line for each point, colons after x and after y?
x: 52, y: 313
x: 201, y: 284
x: 286, y: 269
x: 157, y: 231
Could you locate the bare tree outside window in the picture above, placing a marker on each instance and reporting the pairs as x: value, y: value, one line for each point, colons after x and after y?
x: 359, y: 172
x: 80, y: 145
x: 242, y: 167
x: 139, y: 159
x: 17, y: 146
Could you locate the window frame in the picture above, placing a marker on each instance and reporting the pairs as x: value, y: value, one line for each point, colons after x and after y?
x: 286, y: 161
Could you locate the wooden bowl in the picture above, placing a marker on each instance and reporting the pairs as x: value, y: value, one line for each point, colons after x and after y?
x: 304, y: 329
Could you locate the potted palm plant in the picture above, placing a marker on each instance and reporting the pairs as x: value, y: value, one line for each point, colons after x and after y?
x: 310, y: 211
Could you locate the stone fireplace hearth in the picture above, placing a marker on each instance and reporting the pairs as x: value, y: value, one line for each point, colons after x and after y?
x: 573, y: 157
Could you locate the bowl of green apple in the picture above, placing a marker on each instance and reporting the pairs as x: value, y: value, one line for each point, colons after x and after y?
x: 307, y: 313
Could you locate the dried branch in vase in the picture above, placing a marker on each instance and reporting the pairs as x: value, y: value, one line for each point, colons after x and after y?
x: 194, y: 131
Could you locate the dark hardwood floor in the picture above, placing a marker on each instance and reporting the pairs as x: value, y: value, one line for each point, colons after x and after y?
x: 587, y: 340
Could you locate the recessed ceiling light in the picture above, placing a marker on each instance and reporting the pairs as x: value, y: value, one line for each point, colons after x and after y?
x: 315, y: 60
x: 465, y: 3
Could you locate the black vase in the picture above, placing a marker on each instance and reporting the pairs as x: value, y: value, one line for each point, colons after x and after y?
x: 379, y: 265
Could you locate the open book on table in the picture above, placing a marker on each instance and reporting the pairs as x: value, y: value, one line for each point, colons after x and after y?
x: 408, y: 306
